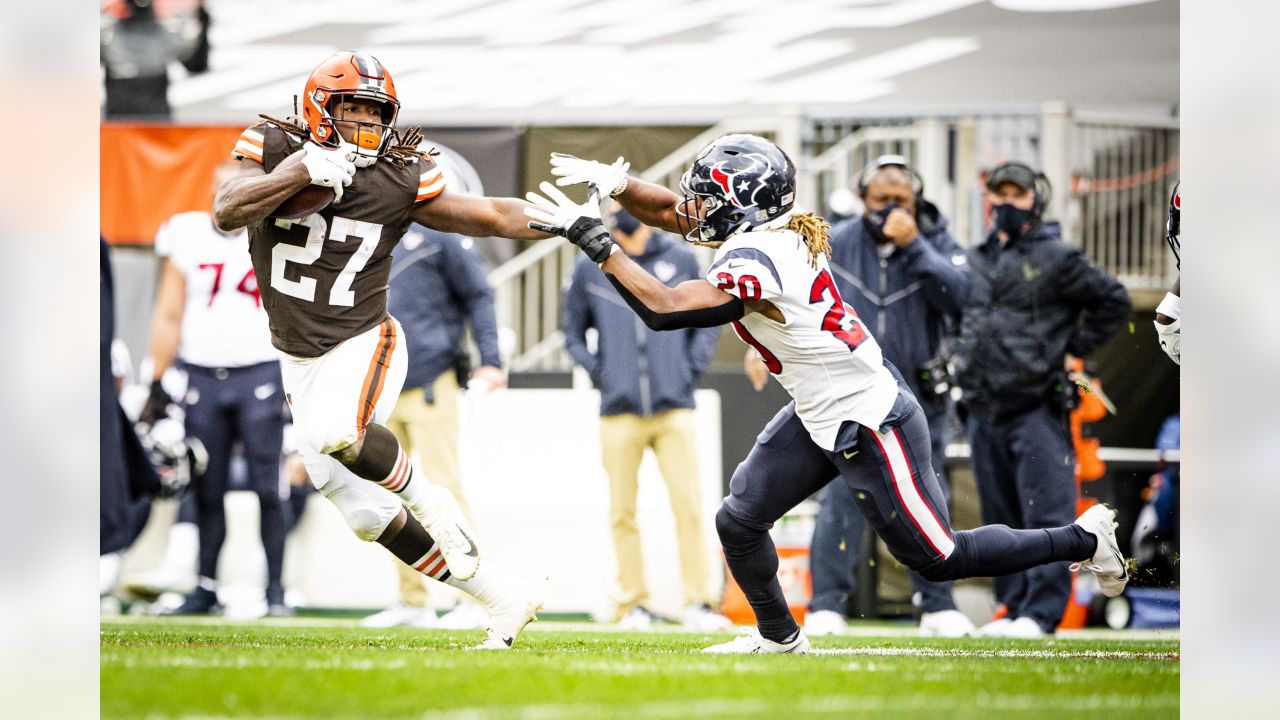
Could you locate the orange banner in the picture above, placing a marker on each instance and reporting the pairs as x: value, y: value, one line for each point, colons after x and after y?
x: 152, y: 172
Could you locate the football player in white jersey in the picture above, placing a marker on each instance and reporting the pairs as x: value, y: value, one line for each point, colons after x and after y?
x: 851, y: 414
x: 209, y: 317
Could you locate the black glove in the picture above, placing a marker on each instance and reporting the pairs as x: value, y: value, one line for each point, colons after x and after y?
x: 589, y: 235
x: 157, y: 406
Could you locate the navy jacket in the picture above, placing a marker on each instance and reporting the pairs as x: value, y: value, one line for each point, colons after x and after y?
x: 637, y: 370
x: 437, y: 284
x: 910, y: 300
x: 1033, y: 301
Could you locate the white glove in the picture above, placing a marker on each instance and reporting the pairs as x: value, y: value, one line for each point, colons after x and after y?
x: 559, y: 213
x: 581, y: 224
x: 1170, y: 335
x: 329, y: 167
x: 574, y: 171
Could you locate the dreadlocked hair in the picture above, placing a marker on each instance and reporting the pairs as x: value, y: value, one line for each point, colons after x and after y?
x: 404, y: 151
x: 814, y: 232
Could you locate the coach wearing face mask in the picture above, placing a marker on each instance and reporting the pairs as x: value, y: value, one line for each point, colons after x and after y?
x: 1034, y: 300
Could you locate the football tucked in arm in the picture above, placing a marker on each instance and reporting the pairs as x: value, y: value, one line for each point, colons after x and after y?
x: 310, y: 199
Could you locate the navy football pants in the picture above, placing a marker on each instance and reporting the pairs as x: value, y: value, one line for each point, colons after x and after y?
x: 890, y: 476
x: 1025, y: 470
x: 838, y: 539
x: 246, y: 404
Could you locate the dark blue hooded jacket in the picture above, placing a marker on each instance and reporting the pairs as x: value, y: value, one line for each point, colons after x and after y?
x: 438, y: 283
x: 910, y: 300
x: 637, y: 370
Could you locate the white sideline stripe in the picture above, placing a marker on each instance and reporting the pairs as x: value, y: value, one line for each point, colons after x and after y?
x: 843, y: 706
x: 915, y: 505
x: 1020, y: 654
x: 719, y: 666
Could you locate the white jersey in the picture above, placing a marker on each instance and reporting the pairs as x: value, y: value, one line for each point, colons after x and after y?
x: 820, y: 353
x: 223, y: 322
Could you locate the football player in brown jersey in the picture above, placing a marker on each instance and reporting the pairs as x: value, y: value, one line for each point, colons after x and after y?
x: 324, y: 279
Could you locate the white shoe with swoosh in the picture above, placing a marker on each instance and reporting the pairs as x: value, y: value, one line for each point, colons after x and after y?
x: 1107, y: 564
x: 443, y: 519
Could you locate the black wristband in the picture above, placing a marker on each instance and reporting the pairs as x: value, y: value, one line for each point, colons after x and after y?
x: 588, y: 233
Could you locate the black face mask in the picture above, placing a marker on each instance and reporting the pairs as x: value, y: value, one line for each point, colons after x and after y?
x: 875, y: 221
x: 1010, y: 220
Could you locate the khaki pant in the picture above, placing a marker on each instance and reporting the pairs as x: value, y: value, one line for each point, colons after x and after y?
x: 623, y: 439
x: 429, y: 432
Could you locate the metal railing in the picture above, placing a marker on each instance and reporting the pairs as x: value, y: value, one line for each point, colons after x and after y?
x: 529, y: 288
x: 1111, y: 176
x: 1123, y: 171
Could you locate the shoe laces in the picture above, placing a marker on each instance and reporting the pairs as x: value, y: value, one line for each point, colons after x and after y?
x: 451, y: 538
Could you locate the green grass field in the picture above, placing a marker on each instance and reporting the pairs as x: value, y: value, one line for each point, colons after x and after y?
x: 315, y: 668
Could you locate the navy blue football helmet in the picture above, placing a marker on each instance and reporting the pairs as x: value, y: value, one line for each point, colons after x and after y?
x: 737, y: 182
x: 1173, y: 226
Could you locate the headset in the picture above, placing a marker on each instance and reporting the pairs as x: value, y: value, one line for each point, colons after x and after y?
x: 1023, y: 175
x: 884, y: 161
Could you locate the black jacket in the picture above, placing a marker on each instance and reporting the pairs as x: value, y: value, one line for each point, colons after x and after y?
x: 1032, y: 301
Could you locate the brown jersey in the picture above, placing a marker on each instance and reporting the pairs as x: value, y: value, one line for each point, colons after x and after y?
x: 324, y: 277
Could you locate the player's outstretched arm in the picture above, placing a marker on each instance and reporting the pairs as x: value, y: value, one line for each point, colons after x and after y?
x: 651, y: 204
x: 476, y: 216
x: 694, y: 303
x: 691, y: 304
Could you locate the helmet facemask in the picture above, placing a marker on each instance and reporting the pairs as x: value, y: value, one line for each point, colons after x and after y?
x: 705, y: 218
x: 736, y: 184
x: 372, y: 140
x: 346, y: 76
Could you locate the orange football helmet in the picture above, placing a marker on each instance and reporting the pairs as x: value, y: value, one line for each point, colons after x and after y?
x: 355, y: 74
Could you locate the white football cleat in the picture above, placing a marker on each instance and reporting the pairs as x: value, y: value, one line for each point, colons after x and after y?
x: 751, y: 642
x: 637, y: 619
x: 995, y: 628
x: 701, y: 618
x: 440, y: 515
x: 507, y: 621
x: 465, y: 616
x: 824, y: 623
x: 946, y: 624
x: 400, y: 614
x: 1107, y: 564
x: 1024, y: 628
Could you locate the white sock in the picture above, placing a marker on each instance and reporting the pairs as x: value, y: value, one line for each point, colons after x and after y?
x: 490, y: 586
x: 183, y: 547
x: 108, y: 572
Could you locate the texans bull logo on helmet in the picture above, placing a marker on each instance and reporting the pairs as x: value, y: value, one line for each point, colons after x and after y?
x: 741, y: 192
